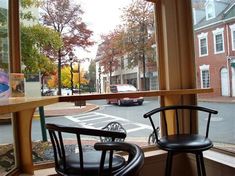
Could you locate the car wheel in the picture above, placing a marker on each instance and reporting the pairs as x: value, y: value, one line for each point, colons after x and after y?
x: 140, y: 103
x: 119, y: 103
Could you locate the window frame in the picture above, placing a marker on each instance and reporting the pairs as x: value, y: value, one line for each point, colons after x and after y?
x: 218, y: 31
x: 204, y: 68
x: 212, y: 5
x: 201, y: 37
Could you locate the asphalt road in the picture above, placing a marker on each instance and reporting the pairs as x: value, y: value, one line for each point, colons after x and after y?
x: 222, y: 127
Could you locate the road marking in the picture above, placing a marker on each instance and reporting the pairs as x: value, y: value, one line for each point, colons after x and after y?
x: 93, y: 120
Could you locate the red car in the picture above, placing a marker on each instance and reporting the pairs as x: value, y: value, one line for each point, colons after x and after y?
x: 119, y: 88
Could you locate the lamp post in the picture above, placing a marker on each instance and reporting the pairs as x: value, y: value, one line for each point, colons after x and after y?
x: 71, y: 70
x: 99, y: 71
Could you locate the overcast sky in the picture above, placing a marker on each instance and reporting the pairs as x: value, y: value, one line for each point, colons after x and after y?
x: 101, y: 17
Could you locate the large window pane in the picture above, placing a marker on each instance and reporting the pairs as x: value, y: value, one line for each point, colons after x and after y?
x: 217, y: 70
x: 124, y: 53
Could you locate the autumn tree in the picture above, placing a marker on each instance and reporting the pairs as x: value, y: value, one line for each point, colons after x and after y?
x: 66, y: 76
x: 35, y: 40
x: 111, y: 50
x: 138, y: 18
x: 65, y: 17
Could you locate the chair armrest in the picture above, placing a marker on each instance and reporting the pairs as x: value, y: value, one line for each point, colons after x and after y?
x: 86, y: 131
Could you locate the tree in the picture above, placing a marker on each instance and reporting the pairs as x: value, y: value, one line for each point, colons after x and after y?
x: 66, y: 76
x: 34, y: 40
x: 111, y: 50
x: 138, y: 18
x: 91, y: 75
x: 66, y: 18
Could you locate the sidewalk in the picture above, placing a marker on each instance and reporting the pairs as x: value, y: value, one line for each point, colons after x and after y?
x: 67, y: 108
x: 219, y: 99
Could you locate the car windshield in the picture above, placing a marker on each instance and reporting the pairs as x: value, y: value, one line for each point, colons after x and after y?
x: 126, y: 88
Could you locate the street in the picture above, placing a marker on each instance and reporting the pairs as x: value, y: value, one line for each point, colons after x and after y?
x: 131, y: 117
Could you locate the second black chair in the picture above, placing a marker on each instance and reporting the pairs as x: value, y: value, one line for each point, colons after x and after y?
x: 182, y: 142
x: 85, y: 161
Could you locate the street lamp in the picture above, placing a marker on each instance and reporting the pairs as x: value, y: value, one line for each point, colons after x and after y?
x: 99, y: 71
x: 71, y: 70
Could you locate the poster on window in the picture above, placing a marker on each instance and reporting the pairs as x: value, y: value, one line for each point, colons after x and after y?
x: 4, y: 85
x: 17, y: 85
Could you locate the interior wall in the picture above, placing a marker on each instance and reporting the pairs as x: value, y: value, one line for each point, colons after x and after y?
x: 183, y: 165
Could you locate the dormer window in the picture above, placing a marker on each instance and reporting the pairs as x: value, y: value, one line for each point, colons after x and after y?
x: 210, y: 10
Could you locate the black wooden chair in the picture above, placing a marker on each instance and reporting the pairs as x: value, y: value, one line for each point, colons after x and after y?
x: 86, y: 161
x: 182, y: 142
x: 134, y: 162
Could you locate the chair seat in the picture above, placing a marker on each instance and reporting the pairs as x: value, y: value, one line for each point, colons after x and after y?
x: 91, y: 161
x: 185, y: 143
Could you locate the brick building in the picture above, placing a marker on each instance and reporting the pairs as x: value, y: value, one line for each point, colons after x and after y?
x: 214, y: 26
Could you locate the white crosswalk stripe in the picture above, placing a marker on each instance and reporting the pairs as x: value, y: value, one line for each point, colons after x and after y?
x: 98, y: 120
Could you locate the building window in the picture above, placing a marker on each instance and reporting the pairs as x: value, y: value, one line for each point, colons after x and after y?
x: 218, y: 40
x: 203, y: 44
x: 232, y: 28
x: 210, y: 10
x: 205, y: 76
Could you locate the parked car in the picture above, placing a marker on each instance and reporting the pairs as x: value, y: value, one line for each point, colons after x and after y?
x: 120, y: 88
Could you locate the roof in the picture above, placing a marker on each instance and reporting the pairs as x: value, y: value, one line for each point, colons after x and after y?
x: 224, y: 10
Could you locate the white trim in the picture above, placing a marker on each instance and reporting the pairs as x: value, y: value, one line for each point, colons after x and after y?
x: 218, y: 31
x: 229, y: 8
x: 194, y: 17
x: 200, y: 37
x: 215, y: 23
x: 232, y: 29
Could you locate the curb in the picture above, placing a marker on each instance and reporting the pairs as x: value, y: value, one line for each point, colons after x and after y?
x: 64, y: 112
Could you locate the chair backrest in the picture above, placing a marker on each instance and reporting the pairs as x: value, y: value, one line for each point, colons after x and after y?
x: 177, y: 110
x: 134, y: 162
x: 56, y: 134
x: 113, y: 126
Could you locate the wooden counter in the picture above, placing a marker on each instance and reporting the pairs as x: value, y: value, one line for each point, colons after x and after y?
x: 23, y: 109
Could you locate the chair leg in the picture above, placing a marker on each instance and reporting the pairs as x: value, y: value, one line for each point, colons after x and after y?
x: 199, y: 169
x: 168, y: 164
x: 202, y: 164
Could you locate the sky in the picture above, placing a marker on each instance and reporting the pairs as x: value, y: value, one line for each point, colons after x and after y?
x: 101, y: 16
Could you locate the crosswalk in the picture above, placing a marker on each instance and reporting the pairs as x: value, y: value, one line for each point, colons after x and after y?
x: 99, y: 120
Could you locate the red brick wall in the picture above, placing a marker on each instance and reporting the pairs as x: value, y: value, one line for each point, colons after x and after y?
x: 216, y: 61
